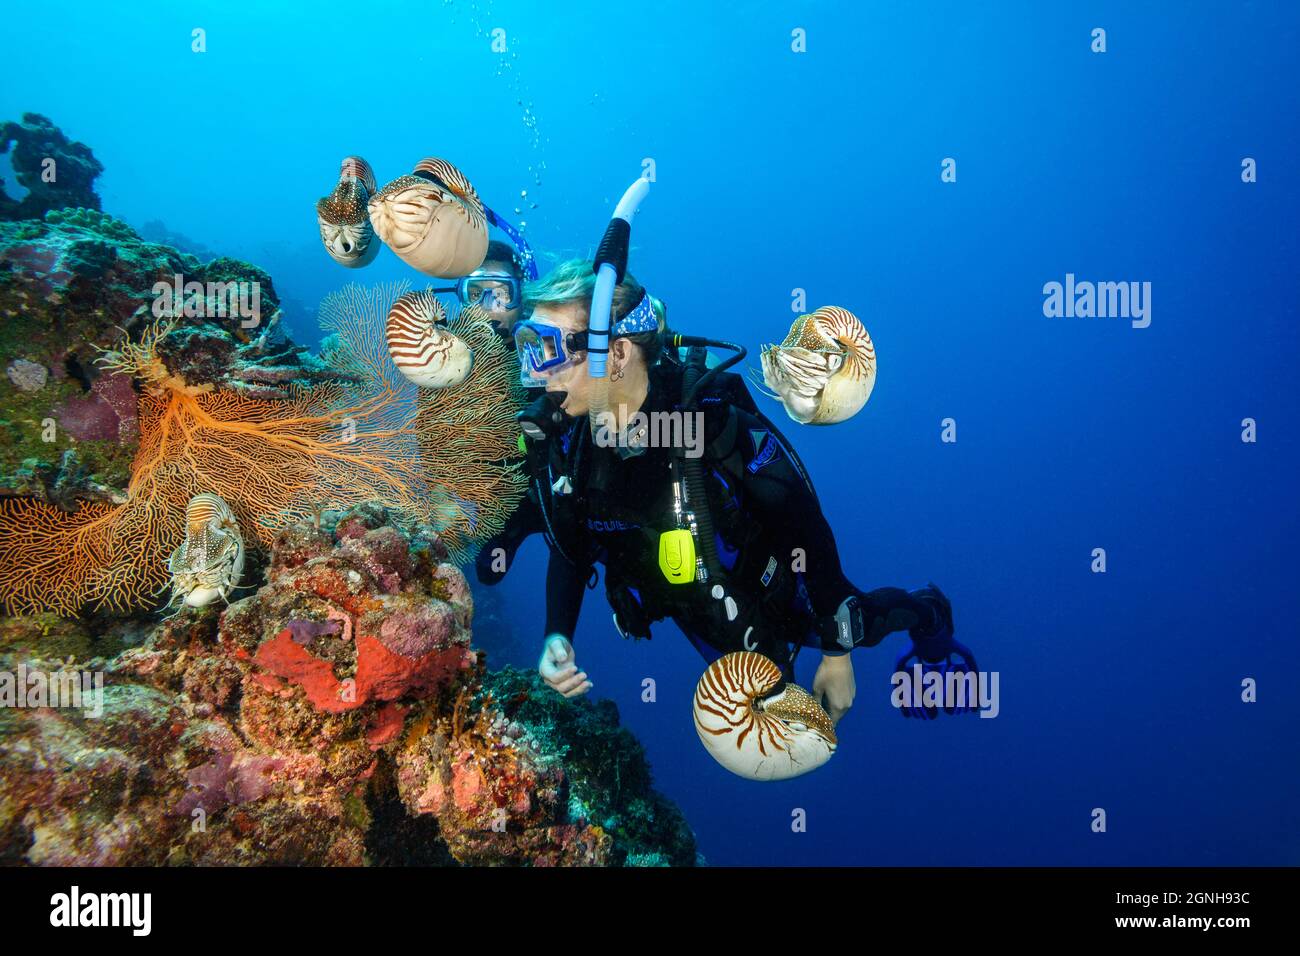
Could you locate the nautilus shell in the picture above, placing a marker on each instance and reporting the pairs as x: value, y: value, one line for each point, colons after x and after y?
x: 210, y: 560
x: 433, y: 220
x: 752, y: 731
x: 344, y: 219
x: 824, y: 371
x: 421, y: 346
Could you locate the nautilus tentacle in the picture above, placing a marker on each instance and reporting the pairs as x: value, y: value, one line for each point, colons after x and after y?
x: 210, y: 560
x: 433, y: 220
x: 757, y: 733
x: 421, y: 347
x: 344, y: 219
x: 825, y: 369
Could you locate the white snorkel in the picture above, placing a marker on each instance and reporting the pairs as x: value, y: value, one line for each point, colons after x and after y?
x: 610, y: 266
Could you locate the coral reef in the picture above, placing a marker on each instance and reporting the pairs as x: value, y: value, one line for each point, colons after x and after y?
x: 272, y: 461
x: 56, y: 173
x: 157, y: 231
x: 338, y: 715
x: 335, y: 715
x: 98, y: 476
x: 69, y: 284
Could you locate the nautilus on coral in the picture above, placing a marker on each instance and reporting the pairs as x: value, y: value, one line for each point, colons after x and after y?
x: 421, y: 346
x: 824, y: 371
x: 210, y: 560
x: 344, y: 219
x: 755, y: 730
x: 433, y: 219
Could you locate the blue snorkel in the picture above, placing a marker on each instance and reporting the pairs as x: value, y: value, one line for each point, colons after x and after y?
x: 526, y: 257
x: 610, y: 267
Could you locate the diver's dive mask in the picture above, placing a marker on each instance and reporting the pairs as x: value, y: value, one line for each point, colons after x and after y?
x: 545, y: 349
x: 493, y: 291
x: 490, y: 290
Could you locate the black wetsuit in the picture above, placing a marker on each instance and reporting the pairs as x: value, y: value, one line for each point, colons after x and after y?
x: 782, y: 568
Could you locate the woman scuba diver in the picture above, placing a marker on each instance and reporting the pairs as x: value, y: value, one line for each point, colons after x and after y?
x: 717, y: 527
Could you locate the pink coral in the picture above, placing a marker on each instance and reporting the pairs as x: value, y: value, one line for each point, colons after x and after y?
x: 106, y: 413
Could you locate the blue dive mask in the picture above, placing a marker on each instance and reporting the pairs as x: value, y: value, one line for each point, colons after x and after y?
x: 544, y: 349
x: 493, y: 291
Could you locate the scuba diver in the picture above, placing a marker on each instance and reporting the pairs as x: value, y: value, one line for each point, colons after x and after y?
x: 497, y: 285
x: 719, y: 528
x: 613, y: 505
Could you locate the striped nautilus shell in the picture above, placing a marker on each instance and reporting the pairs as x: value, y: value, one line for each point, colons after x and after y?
x: 422, y: 347
x: 433, y: 220
x: 753, y: 732
x: 344, y: 219
x: 210, y: 560
x: 824, y: 371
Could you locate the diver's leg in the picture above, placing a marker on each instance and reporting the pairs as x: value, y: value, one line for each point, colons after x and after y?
x: 863, y: 620
x: 865, y: 617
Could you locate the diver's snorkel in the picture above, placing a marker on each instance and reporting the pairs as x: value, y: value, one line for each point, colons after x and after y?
x: 610, y: 267
x: 526, y: 257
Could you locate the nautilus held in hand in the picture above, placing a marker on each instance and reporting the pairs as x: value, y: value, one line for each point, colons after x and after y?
x: 421, y: 346
x: 210, y: 560
x: 824, y: 370
x: 757, y: 728
x: 433, y: 219
x: 344, y: 219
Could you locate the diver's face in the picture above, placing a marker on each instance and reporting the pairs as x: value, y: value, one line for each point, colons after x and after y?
x: 494, y: 297
x: 572, y: 377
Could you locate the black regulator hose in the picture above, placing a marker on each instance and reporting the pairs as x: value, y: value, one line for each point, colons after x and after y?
x: 696, y: 496
x: 692, y: 387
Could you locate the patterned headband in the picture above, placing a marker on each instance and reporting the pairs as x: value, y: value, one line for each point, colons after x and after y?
x: 640, y: 319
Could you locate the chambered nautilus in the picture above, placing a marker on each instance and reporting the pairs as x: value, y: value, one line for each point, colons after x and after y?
x: 210, y: 560
x: 343, y: 217
x: 433, y: 219
x: 422, y: 347
x: 824, y: 371
x: 757, y: 733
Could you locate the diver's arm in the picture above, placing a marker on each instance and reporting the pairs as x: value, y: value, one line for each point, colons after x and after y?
x: 498, y: 552
x: 565, y: 586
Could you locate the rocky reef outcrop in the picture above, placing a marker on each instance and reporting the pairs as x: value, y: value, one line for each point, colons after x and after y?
x: 56, y: 172
x: 339, y: 715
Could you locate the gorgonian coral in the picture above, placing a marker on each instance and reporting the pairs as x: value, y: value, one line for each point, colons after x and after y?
x: 435, y: 460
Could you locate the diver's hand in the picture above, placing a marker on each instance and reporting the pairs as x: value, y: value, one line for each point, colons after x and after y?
x: 559, y: 670
x: 834, y: 682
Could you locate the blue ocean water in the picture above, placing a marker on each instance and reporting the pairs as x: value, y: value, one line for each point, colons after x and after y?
x: 820, y: 170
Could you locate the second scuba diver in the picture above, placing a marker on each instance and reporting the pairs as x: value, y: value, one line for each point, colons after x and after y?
x: 614, y: 503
